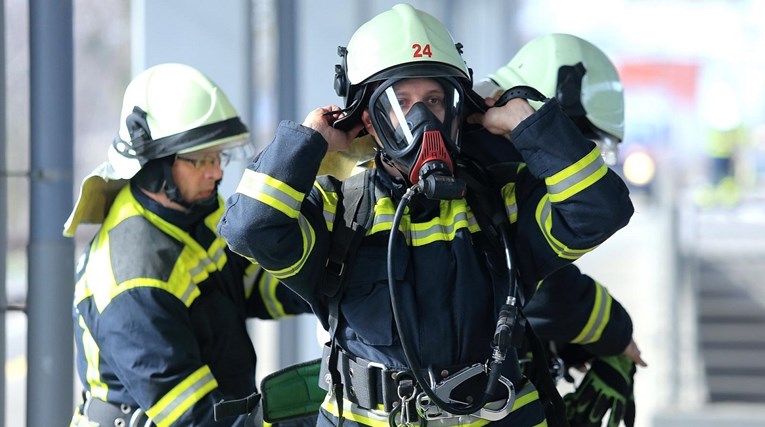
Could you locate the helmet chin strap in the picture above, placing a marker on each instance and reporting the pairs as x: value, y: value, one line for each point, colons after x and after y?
x: 157, y: 176
x: 174, y: 193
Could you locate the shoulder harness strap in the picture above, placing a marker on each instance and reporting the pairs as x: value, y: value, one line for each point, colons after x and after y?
x: 353, y: 218
x: 488, y: 209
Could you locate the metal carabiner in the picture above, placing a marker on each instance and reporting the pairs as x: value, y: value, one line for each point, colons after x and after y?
x: 406, y: 390
x: 498, y: 414
x: 430, y: 411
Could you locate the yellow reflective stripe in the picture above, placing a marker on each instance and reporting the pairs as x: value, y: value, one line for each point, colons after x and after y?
x: 187, y: 294
x: 92, y: 355
x: 598, y: 319
x: 454, y: 216
x: 526, y: 395
x: 379, y: 418
x: 576, y: 177
x: 309, y: 239
x: 351, y: 411
x: 192, y: 266
x: 182, y: 397
x: 330, y: 200
x: 511, y: 204
x: 81, y: 290
x: 544, y: 219
x: 250, y: 276
x: 383, y: 214
x: 198, y: 269
x: 217, y: 253
x: 267, y: 286
x: 271, y: 191
x: 217, y: 250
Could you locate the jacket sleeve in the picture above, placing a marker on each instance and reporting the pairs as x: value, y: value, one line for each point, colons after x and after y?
x: 268, y: 298
x: 568, y: 200
x: 276, y: 215
x: 146, y: 335
x: 571, y: 307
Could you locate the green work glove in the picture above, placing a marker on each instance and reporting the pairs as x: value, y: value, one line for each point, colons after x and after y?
x: 608, y: 385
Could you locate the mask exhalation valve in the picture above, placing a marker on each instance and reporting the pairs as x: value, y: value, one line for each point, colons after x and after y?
x: 434, y: 170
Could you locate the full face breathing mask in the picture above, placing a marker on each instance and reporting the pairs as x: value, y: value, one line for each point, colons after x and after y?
x: 418, y: 123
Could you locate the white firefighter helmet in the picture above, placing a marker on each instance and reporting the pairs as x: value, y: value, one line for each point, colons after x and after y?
x: 577, y: 73
x: 400, y: 42
x: 167, y: 109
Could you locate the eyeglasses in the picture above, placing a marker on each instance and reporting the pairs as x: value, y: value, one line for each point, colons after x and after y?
x: 209, y: 160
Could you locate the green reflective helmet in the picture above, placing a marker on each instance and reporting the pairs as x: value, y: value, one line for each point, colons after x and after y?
x: 401, y: 42
x: 173, y: 109
x: 577, y: 73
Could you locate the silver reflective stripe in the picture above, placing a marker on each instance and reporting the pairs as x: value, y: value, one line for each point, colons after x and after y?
x: 438, y: 229
x: 570, y: 181
x: 189, y: 393
x: 271, y: 191
x: 281, y: 196
x: 329, y: 217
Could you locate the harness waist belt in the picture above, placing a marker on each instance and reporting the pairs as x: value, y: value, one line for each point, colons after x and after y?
x: 370, y: 384
x: 110, y: 414
x: 364, y: 383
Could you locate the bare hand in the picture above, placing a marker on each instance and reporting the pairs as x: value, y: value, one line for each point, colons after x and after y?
x: 633, y: 352
x: 502, y: 120
x: 321, y: 120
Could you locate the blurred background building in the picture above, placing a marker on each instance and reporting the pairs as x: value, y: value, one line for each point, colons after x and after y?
x: 688, y: 267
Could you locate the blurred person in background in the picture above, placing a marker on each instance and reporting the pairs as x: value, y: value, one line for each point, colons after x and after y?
x: 572, y: 313
x: 721, y: 148
x: 160, y: 302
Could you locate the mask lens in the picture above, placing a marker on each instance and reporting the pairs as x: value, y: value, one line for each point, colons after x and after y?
x: 403, y: 109
x: 392, y: 120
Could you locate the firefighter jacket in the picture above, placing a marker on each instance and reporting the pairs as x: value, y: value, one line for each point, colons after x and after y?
x: 565, y: 204
x: 572, y: 307
x: 568, y: 306
x: 159, y: 312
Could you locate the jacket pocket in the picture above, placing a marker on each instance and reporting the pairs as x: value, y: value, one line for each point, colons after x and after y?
x: 366, y: 302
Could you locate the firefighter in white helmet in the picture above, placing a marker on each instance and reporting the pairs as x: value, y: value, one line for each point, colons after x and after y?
x: 160, y: 302
x: 422, y: 320
x: 575, y: 313
x: 575, y: 72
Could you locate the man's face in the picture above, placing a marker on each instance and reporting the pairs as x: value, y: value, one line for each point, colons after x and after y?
x: 197, y: 174
x: 428, y: 91
x: 399, y: 99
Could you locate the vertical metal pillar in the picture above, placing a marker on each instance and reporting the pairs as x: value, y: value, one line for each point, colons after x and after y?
x: 287, y: 64
x: 3, y: 215
x: 51, y: 256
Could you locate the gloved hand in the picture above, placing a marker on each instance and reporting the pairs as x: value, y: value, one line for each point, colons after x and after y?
x: 608, y: 385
